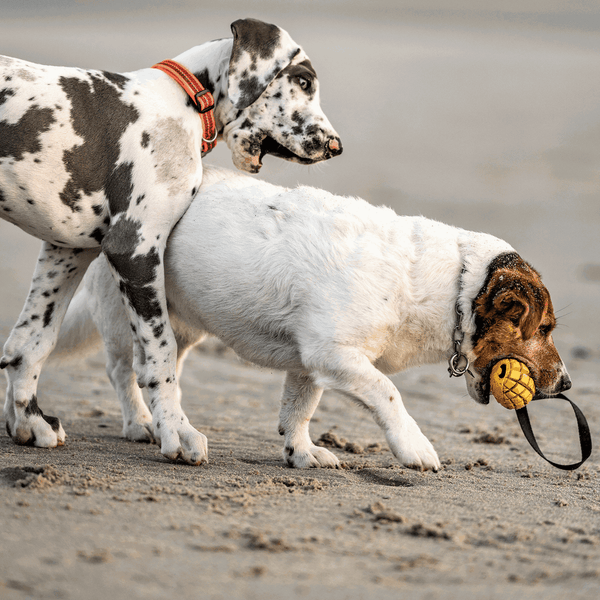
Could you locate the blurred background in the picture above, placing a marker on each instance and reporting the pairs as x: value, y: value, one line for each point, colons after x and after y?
x: 485, y: 116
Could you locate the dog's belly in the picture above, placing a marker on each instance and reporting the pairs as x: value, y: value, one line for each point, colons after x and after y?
x: 266, y: 349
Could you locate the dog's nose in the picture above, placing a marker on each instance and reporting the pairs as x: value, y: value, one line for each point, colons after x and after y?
x: 565, y: 383
x: 334, y: 145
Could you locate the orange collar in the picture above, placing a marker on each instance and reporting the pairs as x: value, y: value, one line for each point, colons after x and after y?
x: 201, y: 97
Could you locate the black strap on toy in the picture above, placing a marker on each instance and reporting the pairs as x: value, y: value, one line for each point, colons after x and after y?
x: 585, y: 439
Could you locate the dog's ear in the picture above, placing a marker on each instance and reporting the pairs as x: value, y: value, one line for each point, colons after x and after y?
x: 260, y: 51
x: 520, y: 298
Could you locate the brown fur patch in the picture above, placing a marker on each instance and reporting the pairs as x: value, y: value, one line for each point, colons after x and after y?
x: 514, y: 318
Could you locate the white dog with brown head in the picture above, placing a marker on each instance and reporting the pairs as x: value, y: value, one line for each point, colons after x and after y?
x: 336, y: 292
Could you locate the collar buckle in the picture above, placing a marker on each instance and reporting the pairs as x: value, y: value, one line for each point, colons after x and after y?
x: 197, y: 97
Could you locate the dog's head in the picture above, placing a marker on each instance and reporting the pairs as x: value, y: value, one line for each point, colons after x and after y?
x: 514, y: 318
x: 275, y: 95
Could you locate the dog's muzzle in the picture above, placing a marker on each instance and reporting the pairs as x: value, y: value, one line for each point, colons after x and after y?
x: 330, y: 148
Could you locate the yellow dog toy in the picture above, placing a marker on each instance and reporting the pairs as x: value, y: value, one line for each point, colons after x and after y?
x: 511, y: 384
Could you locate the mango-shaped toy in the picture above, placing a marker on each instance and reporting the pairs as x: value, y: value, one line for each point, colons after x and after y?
x: 511, y: 384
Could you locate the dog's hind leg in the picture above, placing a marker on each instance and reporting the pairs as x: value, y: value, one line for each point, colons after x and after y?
x: 57, y: 275
x: 104, y: 304
x: 350, y: 372
x: 298, y: 404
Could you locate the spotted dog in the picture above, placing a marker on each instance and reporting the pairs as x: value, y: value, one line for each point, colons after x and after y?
x: 336, y: 292
x: 94, y: 161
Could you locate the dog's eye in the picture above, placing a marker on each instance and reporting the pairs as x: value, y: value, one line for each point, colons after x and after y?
x: 304, y: 83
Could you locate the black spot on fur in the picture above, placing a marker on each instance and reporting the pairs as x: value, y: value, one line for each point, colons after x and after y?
x: 119, y: 189
x: 145, y: 139
x: 15, y: 363
x: 54, y: 422
x: 97, y: 234
x: 251, y: 88
x: 99, y: 117
x: 137, y: 273
x: 311, y: 145
x: 117, y: 78
x: 158, y: 330
x: 48, y: 314
x: 32, y: 408
x: 153, y: 384
x: 302, y: 69
x: 17, y: 139
x: 300, y: 121
x: 97, y: 208
x: 204, y: 78
x: 5, y: 94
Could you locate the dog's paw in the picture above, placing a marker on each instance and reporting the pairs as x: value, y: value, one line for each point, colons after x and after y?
x: 42, y: 431
x: 181, y: 442
x: 314, y: 456
x: 414, y: 450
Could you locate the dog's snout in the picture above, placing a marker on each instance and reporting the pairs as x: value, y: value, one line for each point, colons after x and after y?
x: 564, y: 383
x: 334, y: 145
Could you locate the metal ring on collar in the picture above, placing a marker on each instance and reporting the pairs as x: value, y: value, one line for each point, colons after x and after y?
x: 214, y: 138
x: 454, y: 367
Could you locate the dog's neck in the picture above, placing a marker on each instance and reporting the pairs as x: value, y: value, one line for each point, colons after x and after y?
x: 210, y: 64
x: 477, y: 251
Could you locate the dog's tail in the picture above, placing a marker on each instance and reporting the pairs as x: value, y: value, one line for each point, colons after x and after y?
x: 78, y: 337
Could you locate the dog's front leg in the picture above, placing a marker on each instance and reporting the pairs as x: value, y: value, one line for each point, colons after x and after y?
x: 298, y: 404
x: 57, y: 274
x: 350, y: 372
x: 140, y: 275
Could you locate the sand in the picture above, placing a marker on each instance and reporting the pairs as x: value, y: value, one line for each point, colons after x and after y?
x: 485, y: 122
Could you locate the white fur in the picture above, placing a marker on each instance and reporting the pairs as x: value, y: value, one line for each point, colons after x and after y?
x: 333, y: 290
